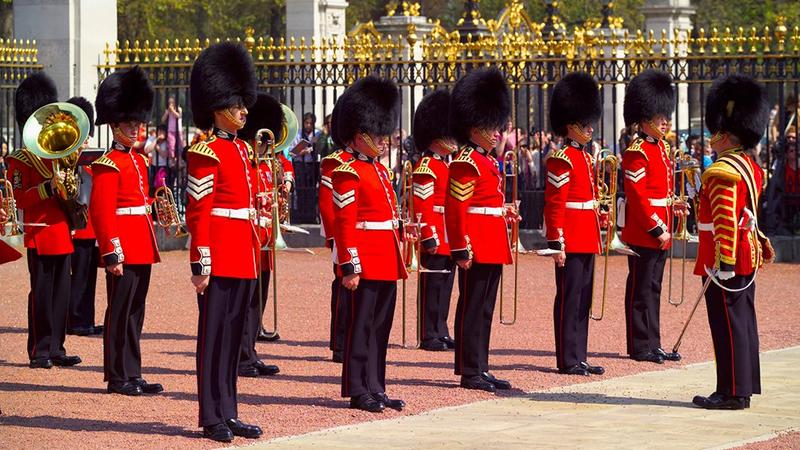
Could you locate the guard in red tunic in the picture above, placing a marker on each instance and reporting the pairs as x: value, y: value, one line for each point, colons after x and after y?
x: 475, y: 219
x: 339, y: 295
x: 221, y: 217
x: 366, y: 232
x: 430, y: 181
x: 572, y: 217
x: 121, y: 219
x: 647, y: 166
x: 86, y: 258
x: 265, y: 113
x: 732, y: 248
x: 47, y: 238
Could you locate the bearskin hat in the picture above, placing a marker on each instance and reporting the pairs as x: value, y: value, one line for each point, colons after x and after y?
x: 737, y: 104
x: 649, y: 94
x: 35, y: 91
x: 87, y: 107
x: 370, y: 105
x: 334, y: 132
x: 265, y: 113
x: 575, y: 99
x: 480, y: 99
x: 222, y: 76
x: 430, y: 119
x: 124, y: 95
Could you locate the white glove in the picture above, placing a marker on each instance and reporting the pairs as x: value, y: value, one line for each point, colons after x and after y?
x: 725, y: 275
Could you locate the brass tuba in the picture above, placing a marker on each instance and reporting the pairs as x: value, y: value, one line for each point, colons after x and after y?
x: 57, y: 131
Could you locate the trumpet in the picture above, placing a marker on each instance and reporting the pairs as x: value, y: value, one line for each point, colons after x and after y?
x: 411, y: 245
x: 688, y: 167
x: 167, y: 212
x: 511, y: 159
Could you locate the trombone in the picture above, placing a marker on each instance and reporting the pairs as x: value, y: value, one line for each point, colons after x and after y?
x: 511, y: 158
x: 688, y: 167
x: 606, y: 196
x: 411, y: 247
x: 167, y: 212
x: 274, y: 219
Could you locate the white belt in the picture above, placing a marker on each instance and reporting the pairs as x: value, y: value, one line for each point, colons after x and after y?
x: 485, y: 210
x: 705, y: 227
x: 588, y: 204
x: 241, y: 213
x: 264, y: 222
x: 438, y: 209
x: 134, y: 211
x: 376, y: 226
x: 660, y: 201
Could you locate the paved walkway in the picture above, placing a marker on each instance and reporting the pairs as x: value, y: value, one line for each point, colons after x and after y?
x: 650, y: 409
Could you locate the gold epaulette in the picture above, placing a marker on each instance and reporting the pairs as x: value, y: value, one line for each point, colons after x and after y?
x: 560, y: 154
x: 466, y: 157
x: 666, y: 146
x: 106, y: 161
x: 346, y: 167
x: 720, y: 170
x: 423, y: 168
x: 336, y: 156
x: 250, y: 154
x: 21, y: 156
x: 146, y: 160
x: 202, y: 148
x: 636, y: 146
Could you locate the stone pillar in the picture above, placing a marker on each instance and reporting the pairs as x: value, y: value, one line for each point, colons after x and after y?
x: 613, y: 94
x: 315, y: 20
x: 672, y: 16
x: 70, y: 39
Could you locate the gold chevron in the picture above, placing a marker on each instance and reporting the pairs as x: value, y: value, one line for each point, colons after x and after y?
x: 462, y: 191
x: 202, y: 148
x: 346, y: 167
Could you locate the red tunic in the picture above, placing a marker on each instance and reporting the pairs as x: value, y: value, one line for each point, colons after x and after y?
x: 430, y: 179
x: 648, y: 189
x: 326, y: 210
x: 121, y: 208
x: 30, y: 179
x: 476, y: 226
x: 366, y: 228
x: 570, y: 210
x: 263, y: 189
x: 731, y: 187
x: 221, y: 210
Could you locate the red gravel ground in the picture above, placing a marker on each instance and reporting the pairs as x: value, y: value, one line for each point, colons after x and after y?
x: 68, y: 408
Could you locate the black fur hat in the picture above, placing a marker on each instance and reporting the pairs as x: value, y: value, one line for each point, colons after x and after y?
x: 265, y: 113
x: 124, y: 95
x: 737, y: 104
x: 649, y: 94
x: 575, y: 99
x: 87, y: 107
x: 334, y: 132
x: 370, y: 105
x: 222, y: 76
x: 35, y: 91
x: 480, y: 99
x: 431, y: 119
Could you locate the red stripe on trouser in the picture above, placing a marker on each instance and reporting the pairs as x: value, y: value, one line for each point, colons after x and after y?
x: 630, y: 309
x: 561, y: 319
x: 32, y: 349
x: 202, y: 355
x: 345, y: 365
x: 461, y: 328
x: 107, y: 330
x: 423, y: 305
x: 336, y: 316
x: 730, y: 336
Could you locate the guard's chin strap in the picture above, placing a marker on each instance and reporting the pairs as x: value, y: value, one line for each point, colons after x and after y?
x: 713, y: 275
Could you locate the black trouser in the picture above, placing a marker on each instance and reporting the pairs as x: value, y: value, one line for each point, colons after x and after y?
x: 571, y: 308
x: 732, y: 318
x: 84, y: 283
x: 477, y: 294
x: 643, y: 299
x: 47, y: 304
x: 371, y: 314
x: 252, y: 324
x: 340, y: 311
x: 435, y: 290
x: 223, y: 308
x: 122, y: 354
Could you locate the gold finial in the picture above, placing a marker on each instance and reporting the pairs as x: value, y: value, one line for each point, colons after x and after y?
x: 780, y: 32
x: 249, y: 40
